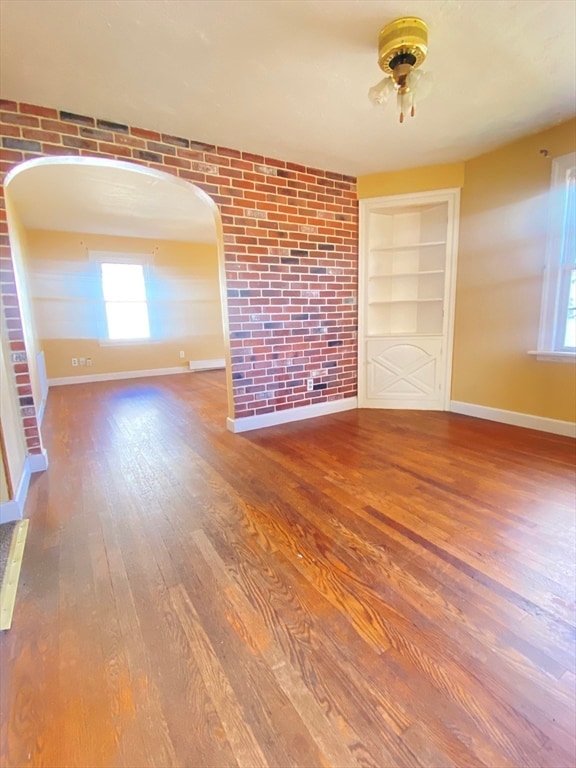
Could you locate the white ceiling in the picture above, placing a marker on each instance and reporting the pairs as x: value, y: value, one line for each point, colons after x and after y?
x: 289, y: 78
x: 93, y: 196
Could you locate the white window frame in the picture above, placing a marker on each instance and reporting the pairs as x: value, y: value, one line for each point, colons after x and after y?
x: 555, y: 284
x: 145, y: 260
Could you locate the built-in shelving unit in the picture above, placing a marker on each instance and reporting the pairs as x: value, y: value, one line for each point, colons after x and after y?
x: 406, y: 281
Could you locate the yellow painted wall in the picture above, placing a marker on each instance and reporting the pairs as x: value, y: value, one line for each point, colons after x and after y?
x: 501, y: 257
x: 19, y: 247
x: 183, y: 293
x: 12, y: 430
x: 411, y: 180
x: 12, y: 433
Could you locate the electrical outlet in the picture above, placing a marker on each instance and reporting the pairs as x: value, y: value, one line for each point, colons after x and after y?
x: 88, y: 361
x: 82, y: 360
x: 181, y: 354
x: 309, y: 385
x: 74, y: 362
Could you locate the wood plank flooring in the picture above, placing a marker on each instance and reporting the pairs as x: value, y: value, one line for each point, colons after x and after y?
x: 367, y: 589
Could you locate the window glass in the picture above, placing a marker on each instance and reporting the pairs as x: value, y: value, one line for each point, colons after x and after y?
x: 124, y: 291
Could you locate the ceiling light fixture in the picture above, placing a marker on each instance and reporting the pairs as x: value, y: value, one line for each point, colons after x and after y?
x: 402, y: 47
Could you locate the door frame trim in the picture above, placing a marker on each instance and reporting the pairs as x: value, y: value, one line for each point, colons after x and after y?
x: 451, y: 196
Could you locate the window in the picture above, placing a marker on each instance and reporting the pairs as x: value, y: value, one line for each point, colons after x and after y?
x: 125, y: 301
x: 122, y: 279
x: 557, y: 338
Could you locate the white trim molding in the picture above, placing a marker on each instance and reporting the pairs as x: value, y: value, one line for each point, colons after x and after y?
x: 291, y: 414
x: 554, y: 357
x: 207, y: 365
x: 40, y: 413
x: 41, y: 368
x: 527, y: 420
x: 377, y: 343
x: 58, y: 382
x: 38, y: 461
x: 10, y: 511
x: 14, y: 509
x: 559, y: 262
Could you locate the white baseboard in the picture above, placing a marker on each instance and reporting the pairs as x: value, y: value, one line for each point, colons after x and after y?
x: 555, y: 426
x: 207, y: 365
x: 291, y: 414
x: 116, y: 376
x: 38, y: 461
x: 9, y: 512
x: 14, y: 509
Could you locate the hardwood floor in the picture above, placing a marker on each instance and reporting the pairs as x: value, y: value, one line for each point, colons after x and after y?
x: 367, y: 589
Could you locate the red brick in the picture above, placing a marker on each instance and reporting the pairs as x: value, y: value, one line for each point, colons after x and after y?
x: 227, y: 152
x: 248, y: 156
x: 60, y: 127
x: 243, y: 165
x: 16, y: 119
x: 38, y: 135
x: 59, y: 151
x: 191, y: 175
x: 216, y: 159
x: 11, y: 156
x: 190, y: 154
x: 128, y: 141
x: 143, y: 134
x: 115, y: 149
x: 32, y: 109
x: 177, y: 162
x: 10, y: 130
x: 280, y: 206
x: 80, y: 143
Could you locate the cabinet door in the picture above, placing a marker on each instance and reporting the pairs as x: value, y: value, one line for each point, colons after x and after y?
x: 404, y: 373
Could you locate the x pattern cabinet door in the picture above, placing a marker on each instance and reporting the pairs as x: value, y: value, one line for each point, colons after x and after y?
x: 404, y: 373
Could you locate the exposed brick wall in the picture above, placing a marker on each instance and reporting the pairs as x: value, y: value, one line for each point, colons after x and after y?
x: 291, y: 251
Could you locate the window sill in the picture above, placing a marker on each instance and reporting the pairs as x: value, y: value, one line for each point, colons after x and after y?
x: 554, y: 356
x: 125, y: 342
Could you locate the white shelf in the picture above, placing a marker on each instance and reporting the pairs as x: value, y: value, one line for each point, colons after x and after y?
x: 412, y: 247
x: 388, y: 275
x: 405, y: 301
x: 406, y: 335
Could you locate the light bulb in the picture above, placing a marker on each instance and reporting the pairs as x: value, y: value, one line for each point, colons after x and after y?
x: 411, y: 85
x: 420, y: 83
x: 380, y: 93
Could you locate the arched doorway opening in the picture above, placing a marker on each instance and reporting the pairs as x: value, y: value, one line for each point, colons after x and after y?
x: 102, y: 198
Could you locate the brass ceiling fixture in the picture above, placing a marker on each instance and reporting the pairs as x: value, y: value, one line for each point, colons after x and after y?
x: 402, y: 47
